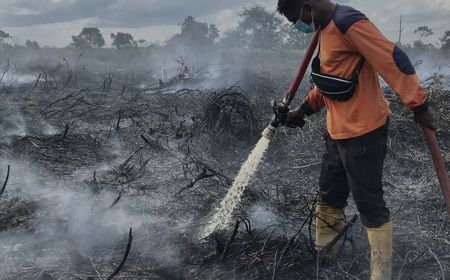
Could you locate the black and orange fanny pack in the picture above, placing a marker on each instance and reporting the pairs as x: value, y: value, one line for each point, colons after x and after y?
x: 333, y: 87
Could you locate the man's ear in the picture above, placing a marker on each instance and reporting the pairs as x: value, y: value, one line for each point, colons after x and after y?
x: 307, y: 11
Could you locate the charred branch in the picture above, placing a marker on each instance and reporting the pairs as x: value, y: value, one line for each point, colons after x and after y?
x: 6, y: 181
x: 118, y: 120
x: 117, y: 200
x: 69, y: 73
x: 5, y: 71
x: 341, y: 233
x: 124, y: 166
x: 127, y: 168
x: 201, y: 165
x: 69, y: 96
x: 107, y: 83
x: 125, y: 257
x: 66, y: 131
x: 248, y: 227
x: 230, y: 240
x: 294, y: 237
x: 63, y: 134
x: 38, y: 78
x: 179, y: 133
x: 151, y: 143
x: 203, y: 172
x: 94, y: 184
x: 203, y: 175
x: 219, y: 245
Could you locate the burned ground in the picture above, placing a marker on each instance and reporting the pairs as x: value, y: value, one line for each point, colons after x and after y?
x: 92, y: 157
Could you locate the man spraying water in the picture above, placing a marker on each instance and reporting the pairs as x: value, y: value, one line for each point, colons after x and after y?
x: 352, y: 53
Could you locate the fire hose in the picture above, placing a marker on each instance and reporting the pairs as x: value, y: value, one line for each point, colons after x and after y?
x: 269, y: 132
x: 430, y: 135
x: 439, y: 164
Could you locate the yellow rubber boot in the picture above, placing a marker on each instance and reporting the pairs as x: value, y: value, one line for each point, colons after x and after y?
x: 329, y: 222
x: 380, y: 240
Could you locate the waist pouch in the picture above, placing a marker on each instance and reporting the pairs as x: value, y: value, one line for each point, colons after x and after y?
x: 333, y: 87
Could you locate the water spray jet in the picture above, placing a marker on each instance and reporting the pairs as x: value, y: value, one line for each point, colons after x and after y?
x: 223, y: 213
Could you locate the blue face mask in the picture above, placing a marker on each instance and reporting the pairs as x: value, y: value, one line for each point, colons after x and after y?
x: 303, y: 27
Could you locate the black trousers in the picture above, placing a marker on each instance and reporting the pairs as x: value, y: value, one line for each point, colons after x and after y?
x: 356, y: 165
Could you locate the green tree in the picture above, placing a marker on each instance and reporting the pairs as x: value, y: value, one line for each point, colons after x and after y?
x: 213, y: 33
x: 424, y: 31
x: 89, y: 37
x: 32, y: 44
x: 262, y: 27
x: 3, y: 36
x: 194, y: 30
x: 123, y: 40
x: 258, y: 28
x: 445, y: 40
x: 194, y: 33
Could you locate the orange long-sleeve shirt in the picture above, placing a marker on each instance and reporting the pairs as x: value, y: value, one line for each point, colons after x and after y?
x: 347, y: 37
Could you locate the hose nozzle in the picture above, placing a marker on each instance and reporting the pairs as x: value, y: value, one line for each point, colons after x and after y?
x: 279, y: 116
x: 269, y: 132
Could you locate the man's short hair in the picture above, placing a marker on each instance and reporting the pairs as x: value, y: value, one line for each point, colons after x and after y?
x: 285, y: 5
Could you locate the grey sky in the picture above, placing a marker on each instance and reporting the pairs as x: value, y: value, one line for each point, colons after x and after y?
x: 52, y: 22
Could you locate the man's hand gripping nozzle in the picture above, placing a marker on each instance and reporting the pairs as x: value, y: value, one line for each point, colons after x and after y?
x: 280, y: 115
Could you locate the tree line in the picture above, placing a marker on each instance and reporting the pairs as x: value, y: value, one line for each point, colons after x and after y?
x: 258, y: 28
x: 424, y: 33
